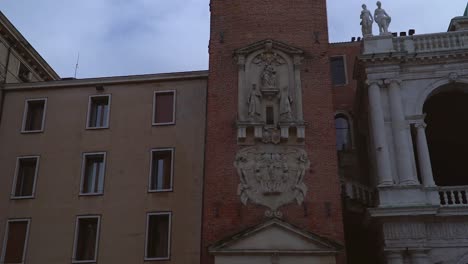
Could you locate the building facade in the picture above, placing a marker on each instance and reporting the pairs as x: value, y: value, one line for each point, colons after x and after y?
x: 290, y: 149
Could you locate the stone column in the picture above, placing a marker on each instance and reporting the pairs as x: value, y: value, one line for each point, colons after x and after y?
x: 379, y: 135
x: 419, y: 257
x: 423, y: 155
x: 394, y: 257
x: 401, y: 135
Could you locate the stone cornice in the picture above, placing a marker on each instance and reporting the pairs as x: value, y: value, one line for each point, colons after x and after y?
x: 109, y: 80
x: 21, y: 45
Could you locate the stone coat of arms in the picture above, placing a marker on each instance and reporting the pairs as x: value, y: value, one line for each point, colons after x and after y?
x: 272, y: 175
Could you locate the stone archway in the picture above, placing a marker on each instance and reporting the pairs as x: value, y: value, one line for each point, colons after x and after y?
x: 446, y: 110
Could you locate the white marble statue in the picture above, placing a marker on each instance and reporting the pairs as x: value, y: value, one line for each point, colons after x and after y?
x: 254, y: 103
x: 382, y: 19
x: 285, y: 105
x: 366, y: 22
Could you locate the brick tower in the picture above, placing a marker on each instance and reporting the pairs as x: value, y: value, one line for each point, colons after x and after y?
x: 271, y: 187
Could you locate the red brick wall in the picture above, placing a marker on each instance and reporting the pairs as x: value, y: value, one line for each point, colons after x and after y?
x: 344, y: 95
x: 242, y: 23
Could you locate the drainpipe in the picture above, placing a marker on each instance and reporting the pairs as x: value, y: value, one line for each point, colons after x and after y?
x: 3, y: 83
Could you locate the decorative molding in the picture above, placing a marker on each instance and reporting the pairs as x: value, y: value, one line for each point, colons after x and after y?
x: 272, y: 176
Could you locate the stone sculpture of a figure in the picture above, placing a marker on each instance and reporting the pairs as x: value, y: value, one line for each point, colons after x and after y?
x: 269, y: 77
x: 254, y: 103
x: 382, y: 19
x: 285, y: 105
x: 366, y: 22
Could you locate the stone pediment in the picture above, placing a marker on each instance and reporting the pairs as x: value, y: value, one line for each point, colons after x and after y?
x: 273, y: 44
x: 278, y: 237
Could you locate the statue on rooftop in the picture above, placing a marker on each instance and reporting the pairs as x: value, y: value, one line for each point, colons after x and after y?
x: 366, y: 22
x: 382, y: 19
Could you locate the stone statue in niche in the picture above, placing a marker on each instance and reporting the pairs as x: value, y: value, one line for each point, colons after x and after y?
x: 366, y: 22
x: 382, y: 19
x: 285, y: 105
x: 268, y: 77
x: 272, y: 176
x: 254, y: 102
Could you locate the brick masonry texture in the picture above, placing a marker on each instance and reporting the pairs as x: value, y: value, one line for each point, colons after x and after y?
x: 297, y: 23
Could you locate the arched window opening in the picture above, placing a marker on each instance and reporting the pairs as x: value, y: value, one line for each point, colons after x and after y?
x: 447, y: 130
x: 343, y: 133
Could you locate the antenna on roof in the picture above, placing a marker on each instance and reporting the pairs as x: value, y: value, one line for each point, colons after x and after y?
x: 76, y: 65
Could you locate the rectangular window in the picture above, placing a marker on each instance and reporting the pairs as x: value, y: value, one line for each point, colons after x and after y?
x: 161, y: 170
x: 86, y: 239
x: 92, y: 178
x: 98, y: 111
x: 25, y: 177
x: 16, y: 240
x: 158, y: 236
x: 164, y: 108
x: 338, y: 70
x: 34, y: 115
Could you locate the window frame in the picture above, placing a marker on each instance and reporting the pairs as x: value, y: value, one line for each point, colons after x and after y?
x: 83, y: 171
x: 25, y: 115
x: 75, y: 239
x: 173, y: 108
x: 5, y: 238
x: 345, y: 70
x: 15, y: 179
x: 88, y: 115
x: 169, y: 240
x: 151, y: 169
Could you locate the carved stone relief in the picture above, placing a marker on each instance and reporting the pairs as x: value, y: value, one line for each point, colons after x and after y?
x: 270, y: 96
x: 272, y: 176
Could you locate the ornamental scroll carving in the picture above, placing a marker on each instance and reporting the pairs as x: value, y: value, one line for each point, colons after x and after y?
x: 272, y: 176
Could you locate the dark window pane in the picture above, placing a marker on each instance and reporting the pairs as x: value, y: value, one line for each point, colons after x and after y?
x: 164, y: 108
x: 338, y: 70
x: 161, y: 170
x: 25, y: 177
x: 343, y: 136
x: 99, y: 112
x: 158, y: 236
x: 34, y: 115
x: 93, y: 181
x: 16, y: 241
x: 270, y: 116
x: 86, y: 241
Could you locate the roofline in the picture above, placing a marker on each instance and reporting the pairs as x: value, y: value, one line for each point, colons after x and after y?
x: 172, y: 76
x: 22, y: 40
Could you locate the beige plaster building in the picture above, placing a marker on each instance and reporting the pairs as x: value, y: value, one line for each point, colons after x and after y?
x: 98, y: 169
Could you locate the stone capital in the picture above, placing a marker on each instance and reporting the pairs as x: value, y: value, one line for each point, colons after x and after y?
x: 391, y: 82
x: 420, y: 125
x: 374, y: 82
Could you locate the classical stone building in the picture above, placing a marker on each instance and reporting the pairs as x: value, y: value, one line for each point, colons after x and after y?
x: 290, y: 149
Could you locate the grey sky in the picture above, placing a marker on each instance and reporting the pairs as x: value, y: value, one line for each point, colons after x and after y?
x: 122, y: 37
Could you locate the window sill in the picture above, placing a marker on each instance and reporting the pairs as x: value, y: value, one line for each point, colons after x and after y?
x: 31, y: 131
x: 164, y: 124
x: 161, y: 191
x: 97, y: 128
x: 157, y: 259
x: 92, y: 194
x: 21, y: 197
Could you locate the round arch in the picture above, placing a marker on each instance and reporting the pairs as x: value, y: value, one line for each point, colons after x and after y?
x: 432, y: 89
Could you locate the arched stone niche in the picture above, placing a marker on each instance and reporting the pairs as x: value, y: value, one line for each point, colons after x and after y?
x: 269, y: 92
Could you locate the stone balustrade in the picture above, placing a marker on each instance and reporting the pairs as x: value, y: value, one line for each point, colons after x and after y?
x: 453, y: 196
x: 358, y: 192
x: 416, y: 44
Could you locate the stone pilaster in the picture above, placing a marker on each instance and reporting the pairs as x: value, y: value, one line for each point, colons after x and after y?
x: 378, y: 134
x: 401, y: 135
x: 394, y: 257
x: 419, y: 256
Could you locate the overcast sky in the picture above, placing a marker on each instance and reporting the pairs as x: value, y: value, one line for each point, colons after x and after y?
x: 124, y: 37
